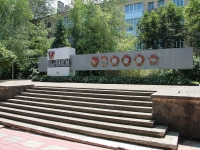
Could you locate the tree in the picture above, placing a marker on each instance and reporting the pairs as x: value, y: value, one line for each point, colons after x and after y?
x: 98, y: 27
x: 6, y: 57
x: 41, y: 9
x: 148, y: 29
x: 162, y: 28
x: 192, y: 14
x: 15, y: 16
x: 39, y: 41
x: 61, y: 39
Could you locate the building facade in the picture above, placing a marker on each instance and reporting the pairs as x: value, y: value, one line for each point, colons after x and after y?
x: 134, y: 10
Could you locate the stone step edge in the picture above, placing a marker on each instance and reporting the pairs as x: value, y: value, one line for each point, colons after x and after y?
x: 156, y: 131
x: 96, y: 89
x: 87, y: 104
x: 127, y: 114
x: 114, y: 96
x: 83, y: 138
x: 46, y: 110
x: 91, y: 131
x: 124, y: 92
x: 79, y: 97
x: 94, y: 100
x: 53, y: 105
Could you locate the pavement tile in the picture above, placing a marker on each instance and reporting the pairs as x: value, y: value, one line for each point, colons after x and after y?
x: 3, y: 134
x: 3, y: 142
x: 9, y: 148
x: 54, y: 147
x: 32, y: 143
x: 13, y: 139
x: 186, y: 148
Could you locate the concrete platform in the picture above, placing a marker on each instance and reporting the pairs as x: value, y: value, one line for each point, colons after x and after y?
x: 172, y: 90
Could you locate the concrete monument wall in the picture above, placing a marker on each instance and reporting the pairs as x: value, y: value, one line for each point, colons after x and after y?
x: 58, y: 61
x: 175, y: 58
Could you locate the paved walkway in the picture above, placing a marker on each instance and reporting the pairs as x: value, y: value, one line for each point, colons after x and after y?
x: 12, y: 139
x: 167, y: 89
x: 18, y: 140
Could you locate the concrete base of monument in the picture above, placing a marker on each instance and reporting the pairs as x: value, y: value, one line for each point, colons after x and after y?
x: 179, y: 111
x: 60, y: 72
x: 59, y: 61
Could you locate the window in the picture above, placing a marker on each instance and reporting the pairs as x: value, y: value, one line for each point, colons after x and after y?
x: 127, y: 8
x: 150, y: 5
x: 139, y: 46
x: 178, y: 2
x: 133, y: 7
x: 132, y: 24
x: 179, y: 43
x: 48, y: 24
x: 160, y: 3
x: 138, y: 7
x: 66, y: 20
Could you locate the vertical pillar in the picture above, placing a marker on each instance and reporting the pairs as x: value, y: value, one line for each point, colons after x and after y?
x: 59, y: 61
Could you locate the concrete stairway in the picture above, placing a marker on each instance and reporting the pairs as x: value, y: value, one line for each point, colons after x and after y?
x: 86, y: 114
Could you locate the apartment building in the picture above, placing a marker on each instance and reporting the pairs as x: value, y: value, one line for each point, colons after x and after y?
x: 134, y: 10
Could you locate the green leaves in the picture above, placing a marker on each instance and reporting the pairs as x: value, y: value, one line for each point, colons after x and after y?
x: 161, y: 28
x: 41, y: 9
x: 60, y: 36
x: 117, y: 80
x: 15, y: 16
x: 6, y: 57
x: 192, y: 15
x: 98, y: 28
x: 38, y: 39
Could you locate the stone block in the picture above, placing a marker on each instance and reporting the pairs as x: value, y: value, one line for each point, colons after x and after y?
x: 7, y: 92
x: 181, y: 114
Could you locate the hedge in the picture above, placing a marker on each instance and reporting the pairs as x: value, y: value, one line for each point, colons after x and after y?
x: 117, y: 80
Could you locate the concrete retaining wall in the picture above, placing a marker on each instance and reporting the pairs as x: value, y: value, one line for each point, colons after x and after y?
x: 181, y: 114
x: 7, y: 92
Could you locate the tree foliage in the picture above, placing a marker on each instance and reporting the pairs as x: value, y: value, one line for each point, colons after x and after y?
x: 21, y: 41
x: 39, y: 41
x: 41, y: 9
x: 6, y: 57
x: 192, y: 14
x: 98, y: 27
x: 14, y: 16
x: 61, y: 39
x: 161, y: 28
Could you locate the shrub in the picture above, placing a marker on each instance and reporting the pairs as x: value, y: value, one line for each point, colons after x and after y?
x: 180, y: 80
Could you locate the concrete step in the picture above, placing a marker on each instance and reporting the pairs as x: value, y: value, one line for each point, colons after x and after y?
x: 100, y: 91
x: 96, y: 95
x: 91, y: 116
x: 168, y: 142
x: 68, y: 104
x: 157, y: 131
x: 87, y: 99
x: 1, y: 126
x: 36, y: 106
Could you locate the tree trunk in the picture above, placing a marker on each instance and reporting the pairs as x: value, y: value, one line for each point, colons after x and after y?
x: 13, y: 71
